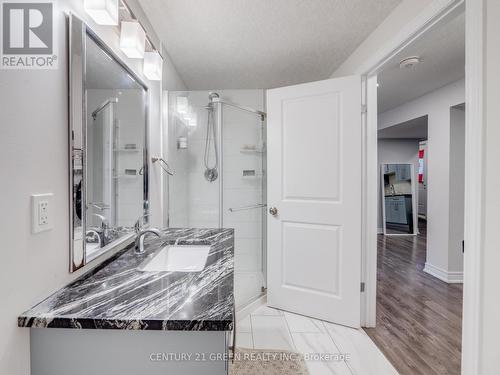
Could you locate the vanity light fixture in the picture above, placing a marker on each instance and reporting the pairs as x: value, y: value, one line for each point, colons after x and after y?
x: 153, y: 66
x: 132, y: 39
x: 103, y: 12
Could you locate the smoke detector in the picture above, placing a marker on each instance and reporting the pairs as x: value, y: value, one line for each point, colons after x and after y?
x: 409, y: 62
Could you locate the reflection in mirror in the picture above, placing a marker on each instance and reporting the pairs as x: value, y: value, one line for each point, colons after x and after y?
x: 398, y: 192
x: 115, y: 138
x: 109, y: 174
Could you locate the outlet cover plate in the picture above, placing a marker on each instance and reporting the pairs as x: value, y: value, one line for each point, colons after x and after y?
x: 41, y: 212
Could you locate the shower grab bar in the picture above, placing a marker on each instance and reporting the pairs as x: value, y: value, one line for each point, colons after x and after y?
x: 164, y: 166
x: 103, y: 105
x: 99, y: 205
x: 243, y: 208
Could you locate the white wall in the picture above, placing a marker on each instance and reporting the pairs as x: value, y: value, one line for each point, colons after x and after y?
x: 401, y: 151
x: 457, y: 189
x: 34, y: 159
x: 436, y: 106
x: 490, y: 275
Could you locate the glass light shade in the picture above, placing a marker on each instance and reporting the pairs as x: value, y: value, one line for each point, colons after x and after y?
x: 103, y: 12
x: 182, y: 105
x: 153, y: 64
x: 190, y: 117
x: 132, y: 40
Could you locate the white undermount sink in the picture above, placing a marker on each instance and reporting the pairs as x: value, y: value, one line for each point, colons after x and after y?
x: 178, y: 258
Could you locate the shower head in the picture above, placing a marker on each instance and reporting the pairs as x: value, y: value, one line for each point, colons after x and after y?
x: 212, y: 96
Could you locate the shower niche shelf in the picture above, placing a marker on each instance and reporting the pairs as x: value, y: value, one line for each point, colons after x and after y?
x: 250, y: 174
x: 126, y: 150
x: 251, y: 151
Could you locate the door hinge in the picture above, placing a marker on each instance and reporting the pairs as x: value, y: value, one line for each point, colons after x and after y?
x: 363, y: 108
x: 362, y: 287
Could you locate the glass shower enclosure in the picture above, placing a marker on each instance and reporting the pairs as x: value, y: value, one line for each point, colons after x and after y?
x: 216, y: 146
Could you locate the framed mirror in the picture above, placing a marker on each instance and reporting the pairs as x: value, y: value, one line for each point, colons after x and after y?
x: 399, y: 215
x: 108, y: 147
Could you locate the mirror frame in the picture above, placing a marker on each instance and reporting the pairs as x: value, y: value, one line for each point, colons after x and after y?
x: 413, y: 200
x: 78, y: 31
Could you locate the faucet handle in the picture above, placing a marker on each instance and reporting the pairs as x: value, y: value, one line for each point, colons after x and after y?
x: 139, y: 223
x: 103, y: 218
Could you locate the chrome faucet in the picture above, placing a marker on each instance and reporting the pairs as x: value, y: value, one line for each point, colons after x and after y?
x: 140, y: 222
x: 104, y: 227
x: 96, y: 234
x: 139, y: 240
x: 393, y: 191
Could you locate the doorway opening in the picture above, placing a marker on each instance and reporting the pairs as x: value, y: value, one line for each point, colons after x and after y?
x: 420, y: 225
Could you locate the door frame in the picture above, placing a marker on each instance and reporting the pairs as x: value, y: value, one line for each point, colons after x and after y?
x: 435, y: 12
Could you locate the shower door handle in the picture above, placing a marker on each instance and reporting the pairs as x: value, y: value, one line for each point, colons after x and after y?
x: 273, y: 211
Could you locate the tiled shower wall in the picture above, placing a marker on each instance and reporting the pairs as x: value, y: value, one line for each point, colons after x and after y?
x: 194, y: 202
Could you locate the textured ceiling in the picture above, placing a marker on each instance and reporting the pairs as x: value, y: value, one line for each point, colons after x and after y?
x: 442, y: 50
x: 261, y: 43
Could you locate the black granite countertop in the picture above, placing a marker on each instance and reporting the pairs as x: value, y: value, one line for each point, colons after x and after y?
x: 116, y: 295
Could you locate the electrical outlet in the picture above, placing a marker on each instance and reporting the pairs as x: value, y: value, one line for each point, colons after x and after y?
x: 40, y: 207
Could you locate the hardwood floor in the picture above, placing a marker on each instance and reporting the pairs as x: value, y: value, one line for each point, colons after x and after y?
x: 419, y: 318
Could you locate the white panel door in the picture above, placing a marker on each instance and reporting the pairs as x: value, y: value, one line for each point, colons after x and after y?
x: 314, y: 183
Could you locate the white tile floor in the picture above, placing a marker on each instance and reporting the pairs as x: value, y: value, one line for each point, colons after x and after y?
x: 268, y: 328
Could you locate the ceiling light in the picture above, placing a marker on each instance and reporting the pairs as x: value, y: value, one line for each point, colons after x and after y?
x: 132, y: 40
x: 103, y: 12
x: 153, y: 64
x: 409, y: 62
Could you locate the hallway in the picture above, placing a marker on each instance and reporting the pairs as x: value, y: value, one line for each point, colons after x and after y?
x: 419, y: 317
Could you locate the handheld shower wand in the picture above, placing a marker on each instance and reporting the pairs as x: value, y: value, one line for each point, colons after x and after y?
x: 211, y: 172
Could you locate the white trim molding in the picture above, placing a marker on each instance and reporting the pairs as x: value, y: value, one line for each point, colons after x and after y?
x: 450, y: 277
x: 474, y: 186
x: 246, y: 310
x: 369, y: 203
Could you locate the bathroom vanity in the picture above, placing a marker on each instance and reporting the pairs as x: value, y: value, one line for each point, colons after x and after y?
x: 125, y: 318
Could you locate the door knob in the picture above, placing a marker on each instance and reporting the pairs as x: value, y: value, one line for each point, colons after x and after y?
x: 273, y: 211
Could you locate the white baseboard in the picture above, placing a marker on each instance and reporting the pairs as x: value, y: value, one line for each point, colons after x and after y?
x: 251, y: 307
x: 446, y: 276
